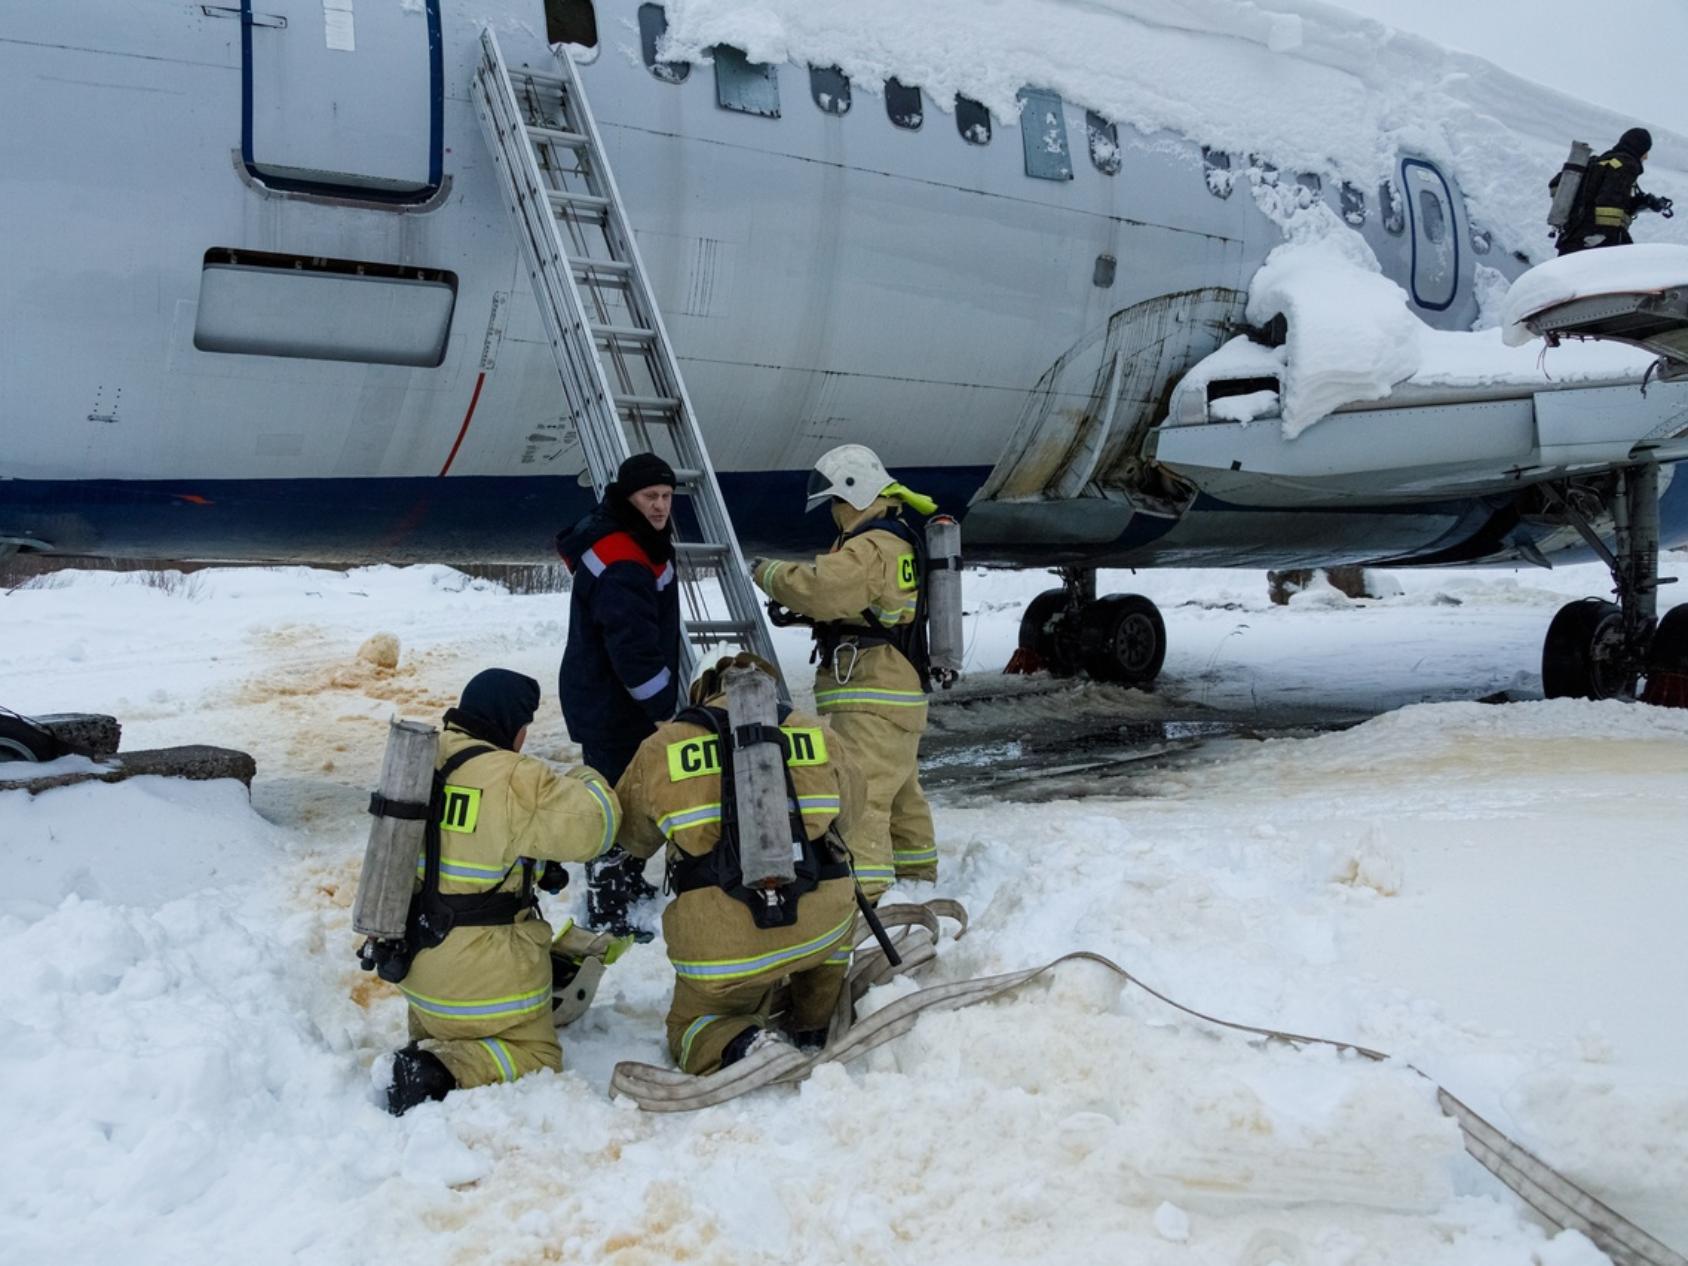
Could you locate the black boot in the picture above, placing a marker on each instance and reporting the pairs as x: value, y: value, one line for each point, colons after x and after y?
x: 739, y: 1047
x: 418, y: 1076
x: 809, y: 1040
x: 615, y: 883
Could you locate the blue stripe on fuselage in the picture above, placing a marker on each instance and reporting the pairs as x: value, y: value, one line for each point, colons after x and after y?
x: 466, y: 519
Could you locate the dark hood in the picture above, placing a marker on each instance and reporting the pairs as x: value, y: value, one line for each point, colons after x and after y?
x: 1635, y: 142
x: 495, y: 705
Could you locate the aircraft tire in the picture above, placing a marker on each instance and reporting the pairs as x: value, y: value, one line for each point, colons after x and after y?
x: 1123, y: 639
x: 1046, y: 637
x: 21, y: 741
x: 1667, y: 661
x: 1582, y: 656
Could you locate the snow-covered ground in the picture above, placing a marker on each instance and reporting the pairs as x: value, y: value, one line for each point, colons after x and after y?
x: 189, y: 1053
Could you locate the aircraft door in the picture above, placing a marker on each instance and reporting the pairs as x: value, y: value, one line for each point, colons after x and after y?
x: 1435, y: 230
x: 343, y: 97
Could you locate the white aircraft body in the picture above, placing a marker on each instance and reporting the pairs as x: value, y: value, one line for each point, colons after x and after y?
x: 264, y: 301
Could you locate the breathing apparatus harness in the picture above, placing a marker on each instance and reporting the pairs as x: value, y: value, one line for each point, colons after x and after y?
x: 815, y: 860
x: 910, y: 639
x: 433, y: 914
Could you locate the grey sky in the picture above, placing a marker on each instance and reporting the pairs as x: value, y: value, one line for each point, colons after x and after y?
x: 1630, y: 56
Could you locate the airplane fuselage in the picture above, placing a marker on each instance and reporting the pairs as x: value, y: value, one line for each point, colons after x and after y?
x: 265, y: 300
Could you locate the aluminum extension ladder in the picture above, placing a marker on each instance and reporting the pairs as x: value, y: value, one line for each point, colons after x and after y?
x: 621, y: 381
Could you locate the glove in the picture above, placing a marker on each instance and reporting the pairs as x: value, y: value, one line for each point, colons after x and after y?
x: 615, y: 883
x: 756, y: 566
x: 1665, y: 207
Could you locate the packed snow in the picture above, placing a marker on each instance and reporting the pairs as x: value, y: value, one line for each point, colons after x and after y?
x: 1642, y: 268
x: 1300, y: 84
x: 1492, y: 892
x: 1352, y: 338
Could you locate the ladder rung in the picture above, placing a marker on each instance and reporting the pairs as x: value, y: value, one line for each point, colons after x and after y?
x: 700, y: 549
x: 623, y: 334
x: 715, y: 628
x: 522, y: 72
x: 609, y: 267
x: 648, y: 404
x: 575, y: 140
x: 563, y: 200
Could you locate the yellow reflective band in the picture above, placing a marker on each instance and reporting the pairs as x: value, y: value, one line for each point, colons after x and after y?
x: 906, y: 578
x: 462, y: 809
x: 501, y: 1056
x: 827, y: 700
x: 684, y: 819
x: 806, y: 743
x: 738, y: 968
x: 694, y: 757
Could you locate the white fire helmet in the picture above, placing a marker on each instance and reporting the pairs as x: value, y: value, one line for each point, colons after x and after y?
x: 850, y: 472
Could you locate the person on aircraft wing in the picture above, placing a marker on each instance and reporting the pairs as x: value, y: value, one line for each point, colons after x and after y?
x: 1608, y: 200
x: 480, y: 1000
x: 864, y: 599
x: 620, y: 667
x: 729, y: 960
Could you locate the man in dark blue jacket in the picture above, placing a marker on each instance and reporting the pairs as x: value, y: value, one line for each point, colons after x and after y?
x: 621, y: 667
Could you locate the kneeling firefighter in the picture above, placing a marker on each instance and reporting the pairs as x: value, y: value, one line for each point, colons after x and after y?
x: 880, y: 646
x: 750, y: 812
x: 476, y: 961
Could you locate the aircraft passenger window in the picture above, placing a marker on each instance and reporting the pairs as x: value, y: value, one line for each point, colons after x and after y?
x: 830, y: 87
x: 1435, y: 219
x: 1043, y: 132
x: 746, y: 86
x: 1394, y: 213
x: 1482, y: 241
x: 1216, y: 163
x: 1104, y: 143
x: 570, y: 22
x: 1353, y: 205
x: 902, y: 104
x: 653, y: 24
x: 972, y: 120
x: 254, y: 303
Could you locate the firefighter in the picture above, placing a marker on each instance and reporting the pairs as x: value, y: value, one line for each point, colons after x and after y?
x: 863, y: 599
x: 1607, y: 200
x: 728, y: 965
x: 480, y: 1000
x: 620, y: 670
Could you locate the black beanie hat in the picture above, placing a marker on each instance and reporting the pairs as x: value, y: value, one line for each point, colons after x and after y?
x: 643, y: 470
x: 1637, y: 141
x: 495, y: 705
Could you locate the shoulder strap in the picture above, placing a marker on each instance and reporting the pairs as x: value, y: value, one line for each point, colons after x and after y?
x: 436, y: 806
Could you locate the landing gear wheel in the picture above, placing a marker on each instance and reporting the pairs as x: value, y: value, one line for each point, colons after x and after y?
x: 1583, y: 656
x: 1667, y: 661
x: 19, y: 740
x: 1044, y: 635
x: 1123, y: 639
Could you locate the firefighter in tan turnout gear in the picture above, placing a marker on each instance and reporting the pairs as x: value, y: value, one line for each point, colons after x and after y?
x: 733, y: 947
x: 864, y: 599
x: 480, y: 999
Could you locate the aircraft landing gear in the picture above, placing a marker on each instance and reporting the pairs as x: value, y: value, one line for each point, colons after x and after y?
x: 1117, y: 638
x: 1600, y: 650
